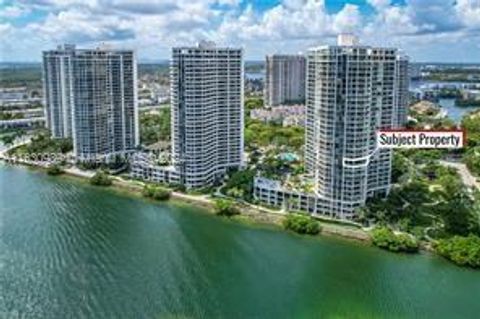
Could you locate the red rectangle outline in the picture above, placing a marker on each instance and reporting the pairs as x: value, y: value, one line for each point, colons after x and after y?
x: 464, y: 132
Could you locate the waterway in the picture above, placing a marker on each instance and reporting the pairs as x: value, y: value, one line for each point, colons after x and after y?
x: 454, y: 112
x: 70, y: 250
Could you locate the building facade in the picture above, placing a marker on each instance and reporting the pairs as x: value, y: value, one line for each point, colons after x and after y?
x: 207, y: 112
x: 91, y: 96
x: 403, y: 93
x: 284, y: 80
x: 144, y: 166
x: 352, y: 92
x: 57, y: 86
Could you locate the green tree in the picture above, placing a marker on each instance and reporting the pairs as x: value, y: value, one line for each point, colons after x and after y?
x: 155, y: 127
x: 8, y: 139
x: 240, y: 184
x: 65, y: 145
x: 457, y: 214
x: 399, y: 166
x: 253, y: 103
x: 471, y: 124
x: 225, y: 207
x: 269, y: 134
x: 385, y: 238
x: 156, y: 192
x: 464, y: 251
x: 54, y: 169
x: 101, y: 179
x: 301, y: 224
x: 471, y: 158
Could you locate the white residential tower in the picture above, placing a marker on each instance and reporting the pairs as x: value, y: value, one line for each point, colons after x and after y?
x: 352, y: 92
x: 284, y: 80
x: 207, y: 113
x: 91, y: 96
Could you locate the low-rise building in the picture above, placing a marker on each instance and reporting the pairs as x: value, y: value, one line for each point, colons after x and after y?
x: 274, y: 193
x: 287, y: 115
x: 145, y: 166
x: 34, y: 122
x: 13, y: 94
x: 471, y: 95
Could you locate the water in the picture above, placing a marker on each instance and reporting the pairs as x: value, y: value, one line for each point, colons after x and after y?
x: 289, y: 157
x: 455, y: 112
x: 69, y: 250
x: 255, y: 75
x: 416, y: 84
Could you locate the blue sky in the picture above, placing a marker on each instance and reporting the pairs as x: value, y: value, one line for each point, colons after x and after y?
x: 427, y: 30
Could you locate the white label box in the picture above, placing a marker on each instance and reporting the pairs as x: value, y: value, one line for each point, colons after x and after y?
x: 426, y: 139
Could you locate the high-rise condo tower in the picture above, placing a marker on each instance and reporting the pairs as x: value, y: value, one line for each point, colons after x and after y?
x: 284, y: 79
x: 352, y: 91
x: 91, y: 96
x: 207, y: 112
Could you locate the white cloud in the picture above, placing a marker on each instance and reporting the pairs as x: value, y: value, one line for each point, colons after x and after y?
x: 153, y: 26
x: 5, y: 28
x: 348, y: 19
x: 379, y: 4
x: 79, y: 25
x: 288, y: 20
x: 229, y: 2
x: 13, y: 11
x: 391, y: 20
x: 469, y: 12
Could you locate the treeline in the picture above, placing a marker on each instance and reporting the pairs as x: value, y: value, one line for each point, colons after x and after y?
x: 423, y: 196
x: 262, y: 134
x: 24, y: 75
x: 44, y: 144
x: 155, y: 127
x: 464, y: 251
x: 471, y: 157
x: 428, y: 202
x: 5, y: 116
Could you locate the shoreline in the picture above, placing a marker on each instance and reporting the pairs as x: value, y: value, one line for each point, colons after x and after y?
x: 249, y: 213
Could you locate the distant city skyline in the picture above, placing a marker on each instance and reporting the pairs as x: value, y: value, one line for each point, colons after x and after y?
x: 429, y: 30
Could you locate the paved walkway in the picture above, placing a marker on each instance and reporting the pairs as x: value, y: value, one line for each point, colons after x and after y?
x: 78, y: 172
x: 18, y: 142
x: 467, y: 177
